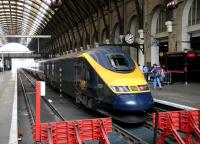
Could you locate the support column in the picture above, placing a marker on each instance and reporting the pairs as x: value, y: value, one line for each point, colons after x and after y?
x: 38, y: 45
x: 154, y: 54
x: 141, y: 57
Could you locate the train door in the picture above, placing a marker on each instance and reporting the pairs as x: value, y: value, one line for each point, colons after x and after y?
x: 79, y: 83
x: 7, y: 64
x: 86, y: 83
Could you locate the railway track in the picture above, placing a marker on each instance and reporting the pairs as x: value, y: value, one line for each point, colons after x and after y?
x: 142, y: 134
x: 27, y: 102
x: 121, y: 132
x: 29, y: 94
x: 54, y: 110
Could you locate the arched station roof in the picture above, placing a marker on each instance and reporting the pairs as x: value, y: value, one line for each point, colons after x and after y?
x: 36, y: 17
x: 24, y: 17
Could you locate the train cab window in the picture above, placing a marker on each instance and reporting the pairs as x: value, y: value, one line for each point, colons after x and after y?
x: 118, y: 61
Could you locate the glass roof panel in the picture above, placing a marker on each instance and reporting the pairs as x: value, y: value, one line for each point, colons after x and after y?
x: 20, y: 17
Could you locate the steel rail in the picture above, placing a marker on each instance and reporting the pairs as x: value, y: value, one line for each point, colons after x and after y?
x: 127, y: 136
x: 27, y: 102
x: 55, y: 111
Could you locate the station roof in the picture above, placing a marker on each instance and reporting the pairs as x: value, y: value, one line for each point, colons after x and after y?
x: 23, y: 17
x: 36, y: 17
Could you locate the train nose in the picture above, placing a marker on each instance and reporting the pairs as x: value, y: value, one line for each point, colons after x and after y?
x: 133, y: 102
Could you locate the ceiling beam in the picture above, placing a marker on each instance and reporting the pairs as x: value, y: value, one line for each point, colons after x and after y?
x: 25, y: 36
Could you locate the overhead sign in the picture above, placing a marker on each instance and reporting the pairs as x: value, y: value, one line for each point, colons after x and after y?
x: 191, y: 55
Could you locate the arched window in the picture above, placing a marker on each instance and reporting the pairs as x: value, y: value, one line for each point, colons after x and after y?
x: 161, y: 21
x: 194, y: 14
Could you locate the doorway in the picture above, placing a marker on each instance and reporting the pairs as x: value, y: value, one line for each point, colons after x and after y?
x: 163, y: 49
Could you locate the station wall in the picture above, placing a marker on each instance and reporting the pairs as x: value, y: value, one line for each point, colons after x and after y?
x: 156, y: 38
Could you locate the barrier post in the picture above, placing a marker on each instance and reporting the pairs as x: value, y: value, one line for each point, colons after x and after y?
x: 37, y: 117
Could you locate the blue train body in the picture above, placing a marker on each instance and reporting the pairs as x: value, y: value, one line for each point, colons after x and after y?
x: 104, y: 77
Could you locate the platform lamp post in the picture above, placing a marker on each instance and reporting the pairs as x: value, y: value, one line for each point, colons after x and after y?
x: 185, y: 67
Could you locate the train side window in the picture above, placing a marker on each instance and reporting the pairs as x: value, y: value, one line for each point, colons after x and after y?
x: 88, y: 75
x: 47, y: 68
x: 52, y: 70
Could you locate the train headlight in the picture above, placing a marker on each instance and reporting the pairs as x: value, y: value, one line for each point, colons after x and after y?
x: 143, y: 87
x: 134, y: 88
x: 121, y: 88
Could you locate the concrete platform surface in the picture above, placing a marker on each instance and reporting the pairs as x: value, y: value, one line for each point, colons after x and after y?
x: 8, y: 108
x: 180, y: 94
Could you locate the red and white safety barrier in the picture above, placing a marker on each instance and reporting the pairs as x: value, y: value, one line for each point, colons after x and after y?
x: 70, y: 132
x: 171, y: 123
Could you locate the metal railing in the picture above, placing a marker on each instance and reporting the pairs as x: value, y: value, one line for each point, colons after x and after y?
x: 165, y: 79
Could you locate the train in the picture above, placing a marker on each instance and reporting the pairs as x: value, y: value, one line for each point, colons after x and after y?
x: 100, y: 78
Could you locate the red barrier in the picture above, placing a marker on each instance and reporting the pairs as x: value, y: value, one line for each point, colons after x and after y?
x: 79, y: 131
x: 38, y: 104
x: 70, y: 132
x: 172, y: 123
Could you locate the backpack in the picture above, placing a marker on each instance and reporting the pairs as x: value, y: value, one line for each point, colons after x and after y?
x: 158, y: 72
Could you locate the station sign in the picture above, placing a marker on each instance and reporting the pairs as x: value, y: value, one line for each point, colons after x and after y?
x: 191, y: 55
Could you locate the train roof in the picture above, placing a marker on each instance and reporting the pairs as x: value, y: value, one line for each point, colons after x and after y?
x: 101, y: 49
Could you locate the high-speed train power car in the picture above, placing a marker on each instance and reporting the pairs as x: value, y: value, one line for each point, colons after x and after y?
x: 104, y: 77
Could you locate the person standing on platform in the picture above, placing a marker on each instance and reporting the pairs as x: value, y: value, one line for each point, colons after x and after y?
x: 156, y: 76
x: 145, y: 71
x: 1, y: 66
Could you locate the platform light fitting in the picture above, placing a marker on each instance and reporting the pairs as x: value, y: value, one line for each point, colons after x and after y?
x: 96, y: 44
x: 107, y: 41
x: 88, y: 47
x: 172, y: 4
x: 121, y: 37
x: 169, y: 26
x: 141, y: 33
x: 55, y: 4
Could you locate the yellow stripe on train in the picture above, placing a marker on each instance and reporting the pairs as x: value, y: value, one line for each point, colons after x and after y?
x: 111, y: 78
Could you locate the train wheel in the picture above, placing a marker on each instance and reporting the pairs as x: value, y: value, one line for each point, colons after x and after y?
x: 78, y: 99
x: 91, y: 104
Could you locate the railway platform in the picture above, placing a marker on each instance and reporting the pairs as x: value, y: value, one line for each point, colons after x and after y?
x: 8, y: 107
x: 179, y: 95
